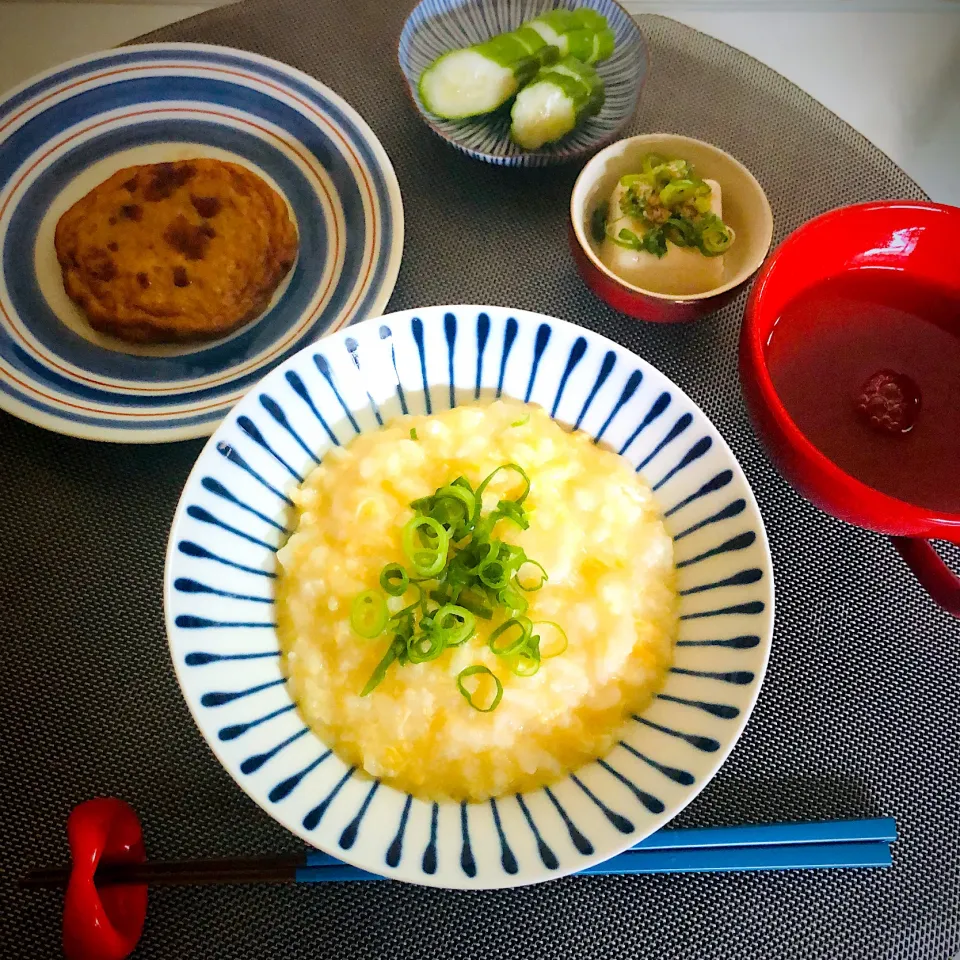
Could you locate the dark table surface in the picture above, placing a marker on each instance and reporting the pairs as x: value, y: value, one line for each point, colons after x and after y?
x: 859, y: 715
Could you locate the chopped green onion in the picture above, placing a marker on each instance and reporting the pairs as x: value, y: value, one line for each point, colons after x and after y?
x: 560, y: 645
x: 511, y: 644
x: 668, y: 204
x: 536, y: 586
x: 369, y: 614
x: 413, y: 433
x: 463, y: 501
x: 523, y: 421
x: 526, y: 661
x: 512, y: 511
x: 493, y: 574
x: 628, y: 239
x: 516, y: 468
x: 515, y: 602
x: 655, y: 242
x: 715, y: 238
x: 677, y: 192
x: 425, y: 646
x: 460, y: 572
x: 409, y: 610
x: 651, y: 161
x: 380, y: 671
x: 394, y: 580
x: 680, y: 231
x: 430, y: 561
x: 455, y: 624
x: 459, y: 492
x: 476, y: 604
x: 472, y: 553
x: 475, y: 670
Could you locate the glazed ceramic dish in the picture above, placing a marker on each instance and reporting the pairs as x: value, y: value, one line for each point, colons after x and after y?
x: 66, y: 131
x: 233, y: 516
x: 745, y: 209
x: 903, y: 239
x: 436, y: 26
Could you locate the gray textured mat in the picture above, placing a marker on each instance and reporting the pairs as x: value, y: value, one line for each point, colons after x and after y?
x: 859, y: 715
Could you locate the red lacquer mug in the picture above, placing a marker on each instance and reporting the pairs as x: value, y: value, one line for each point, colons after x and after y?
x: 918, y: 240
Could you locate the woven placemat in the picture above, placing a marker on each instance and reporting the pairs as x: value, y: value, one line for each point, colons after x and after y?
x: 859, y: 715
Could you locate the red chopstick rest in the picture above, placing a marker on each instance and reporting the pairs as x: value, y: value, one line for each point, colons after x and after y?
x: 102, y: 924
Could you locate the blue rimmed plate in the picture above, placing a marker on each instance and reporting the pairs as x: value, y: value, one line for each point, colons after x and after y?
x: 221, y: 568
x: 436, y: 26
x: 67, y: 130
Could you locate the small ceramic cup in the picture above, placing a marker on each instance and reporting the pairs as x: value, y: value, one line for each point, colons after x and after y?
x: 745, y: 208
x: 907, y: 239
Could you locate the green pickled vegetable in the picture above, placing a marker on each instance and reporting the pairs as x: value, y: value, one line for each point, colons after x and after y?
x: 478, y: 79
x: 578, y: 33
x: 559, y: 97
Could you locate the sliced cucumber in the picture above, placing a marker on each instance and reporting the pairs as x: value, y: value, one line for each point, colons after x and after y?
x: 559, y: 97
x: 580, y: 33
x: 479, y: 79
x: 465, y: 83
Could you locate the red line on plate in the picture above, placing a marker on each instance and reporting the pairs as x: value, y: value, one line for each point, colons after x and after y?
x: 258, y: 80
x: 176, y: 389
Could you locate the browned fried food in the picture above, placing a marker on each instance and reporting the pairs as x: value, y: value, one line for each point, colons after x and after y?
x: 174, y: 252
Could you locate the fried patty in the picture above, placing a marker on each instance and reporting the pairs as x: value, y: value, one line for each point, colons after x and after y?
x: 176, y: 252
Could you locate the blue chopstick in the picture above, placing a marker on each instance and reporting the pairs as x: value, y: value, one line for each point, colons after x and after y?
x: 879, y: 829
x: 775, y: 846
x: 779, y: 846
x: 806, y: 856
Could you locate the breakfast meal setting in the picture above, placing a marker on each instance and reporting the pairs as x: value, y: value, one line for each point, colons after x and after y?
x: 501, y: 455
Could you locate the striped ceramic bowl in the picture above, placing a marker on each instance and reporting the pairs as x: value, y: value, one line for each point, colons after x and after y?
x: 436, y: 26
x: 221, y: 570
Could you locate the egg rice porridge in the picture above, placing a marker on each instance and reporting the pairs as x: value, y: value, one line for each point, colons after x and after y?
x: 473, y: 603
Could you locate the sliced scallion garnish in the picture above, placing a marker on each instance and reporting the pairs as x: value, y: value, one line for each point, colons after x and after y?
x: 479, y: 669
x: 394, y: 580
x: 380, y: 671
x: 557, y: 642
x: 511, y: 636
x: 429, y: 556
x: 666, y: 202
x: 531, y: 586
x: 461, y: 571
x: 369, y: 614
x: 526, y: 661
x: 455, y: 624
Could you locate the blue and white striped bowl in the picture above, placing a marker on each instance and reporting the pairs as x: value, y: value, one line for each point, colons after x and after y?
x: 221, y: 569
x: 436, y: 26
x: 65, y: 131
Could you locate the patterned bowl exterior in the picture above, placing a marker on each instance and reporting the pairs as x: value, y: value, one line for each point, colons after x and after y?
x: 65, y: 131
x: 436, y: 26
x: 221, y: 568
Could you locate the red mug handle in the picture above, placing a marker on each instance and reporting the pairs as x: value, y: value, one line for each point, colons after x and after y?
x: 934, y: 575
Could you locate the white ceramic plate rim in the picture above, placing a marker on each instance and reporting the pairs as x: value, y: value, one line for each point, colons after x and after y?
x: 86, y: 431
x: 247, y: 404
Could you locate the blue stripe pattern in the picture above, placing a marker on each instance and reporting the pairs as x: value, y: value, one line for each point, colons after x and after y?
x: 235, y: 515
x: 436, y: 26
x: 162, y: 98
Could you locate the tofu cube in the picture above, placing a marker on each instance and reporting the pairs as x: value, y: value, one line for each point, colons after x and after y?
x: 683, y: 270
